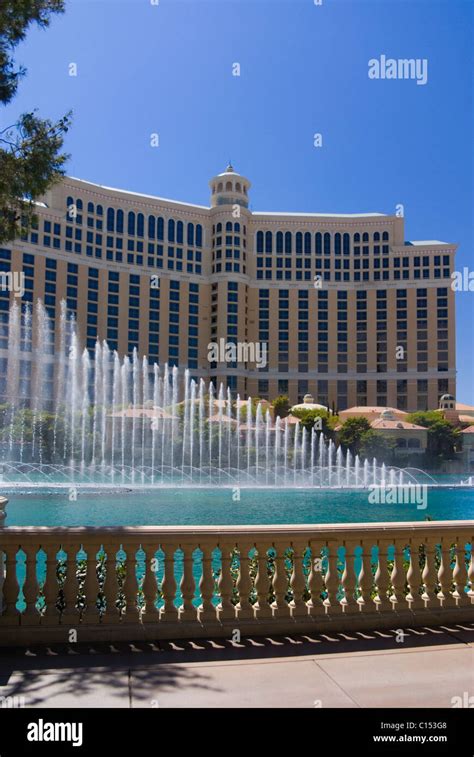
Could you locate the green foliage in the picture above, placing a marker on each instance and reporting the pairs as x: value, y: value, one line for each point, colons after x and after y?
x: 425, y: 418
x: 373, y: 444
x: 281, y: 406
x: 15, y: 18
x: 353, y: 432
x: 359, y: 437
x: 30, y: 157
x: 442, y: 440
x: 308, y: 418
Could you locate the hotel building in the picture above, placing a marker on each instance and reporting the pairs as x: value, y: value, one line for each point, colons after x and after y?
x: 350, y: 311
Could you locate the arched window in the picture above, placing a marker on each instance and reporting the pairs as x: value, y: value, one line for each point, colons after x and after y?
x: 179, y: 232
x: 228, y: 226
x: 279, y: 242
x: 385, y: 236
x: 259, y: 241
x: 99, y: 210
x: 119, y: 221
x: 238, y: 188
x: 287, y: 241
x: 160, y: 228
x: 190, y: 236
x: 319, y: 243
x: 327, y: 243
x: 365, y: 237
x: 299, y: 242
x: 268, y: 241
x: 228, y: 186
x: 171, y: 227
x: 307, y: 243
x: 337, y: 244
x: 219, y: 187
x: 219, y: 228
x: 346, y: 244
x: 79, y: 204
x: 414, y: 444
x: 237, y: 227
x: 69, y: 202
x: 151, y: 227
x: 356, y: 237
x: 131, y: 223
x: 376, y: 236
x: 140, y: 224
x: 401, y: 443
x: 110, y: 219
x: 90, y: 207
x: 198, y: 235
x: 245, y: 190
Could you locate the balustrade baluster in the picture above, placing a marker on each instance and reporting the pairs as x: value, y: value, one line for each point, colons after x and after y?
x: 187, y: 611
x: 281, y: 607
x: 150, y: 613
x: 429, y: 575
x: 414, y: 578
x: 207, y: 611
x: 111, y: 588
x: 331, y: 582
x: 91, y: 586
x: 226, y: 608
x: 244, y: 583
x: 131, y: 612
x: 299, y: 608
x: 445, y: 576
x: 315, y: 581
x: 470, y: 574
x: 382, y: 578
x: 460, y: 577
x: 10, y: 586
x: 398, y: 578
x: 262, y: 583
x: 366, y: 580
x: 70, y: 615
x: 30, y: 615
x: 169, y: 612
x: 349, y: 579
x: 51, y: 586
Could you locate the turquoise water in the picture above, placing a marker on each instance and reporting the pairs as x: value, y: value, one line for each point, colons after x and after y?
x: 219, y: 507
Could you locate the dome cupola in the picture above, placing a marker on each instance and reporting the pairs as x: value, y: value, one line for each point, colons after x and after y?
x: 229, y: 188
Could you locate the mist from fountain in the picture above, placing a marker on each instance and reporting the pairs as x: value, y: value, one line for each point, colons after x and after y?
x: 111, y: 420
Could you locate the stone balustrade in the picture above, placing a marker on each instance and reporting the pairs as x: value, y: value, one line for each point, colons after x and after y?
x: 177, y: 582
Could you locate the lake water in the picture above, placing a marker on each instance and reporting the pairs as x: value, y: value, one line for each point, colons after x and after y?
x: 181, y: 506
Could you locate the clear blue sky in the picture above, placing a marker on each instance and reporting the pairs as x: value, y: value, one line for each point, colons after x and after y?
x: 168, y: 69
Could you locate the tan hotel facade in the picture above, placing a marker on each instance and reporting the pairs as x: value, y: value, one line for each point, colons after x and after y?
x: 350, y: 311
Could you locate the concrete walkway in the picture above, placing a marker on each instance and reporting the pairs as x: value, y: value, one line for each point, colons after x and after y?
x: 426, y: 667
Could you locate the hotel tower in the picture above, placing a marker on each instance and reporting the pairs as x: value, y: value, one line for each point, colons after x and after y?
x: 350, y: 311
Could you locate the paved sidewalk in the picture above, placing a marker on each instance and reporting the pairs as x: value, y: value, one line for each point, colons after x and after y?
x: 361, y: 669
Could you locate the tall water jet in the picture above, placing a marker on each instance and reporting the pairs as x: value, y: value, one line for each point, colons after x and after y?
x: 121, y: 416
x: 186, y: 423
x: 13, y: 369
